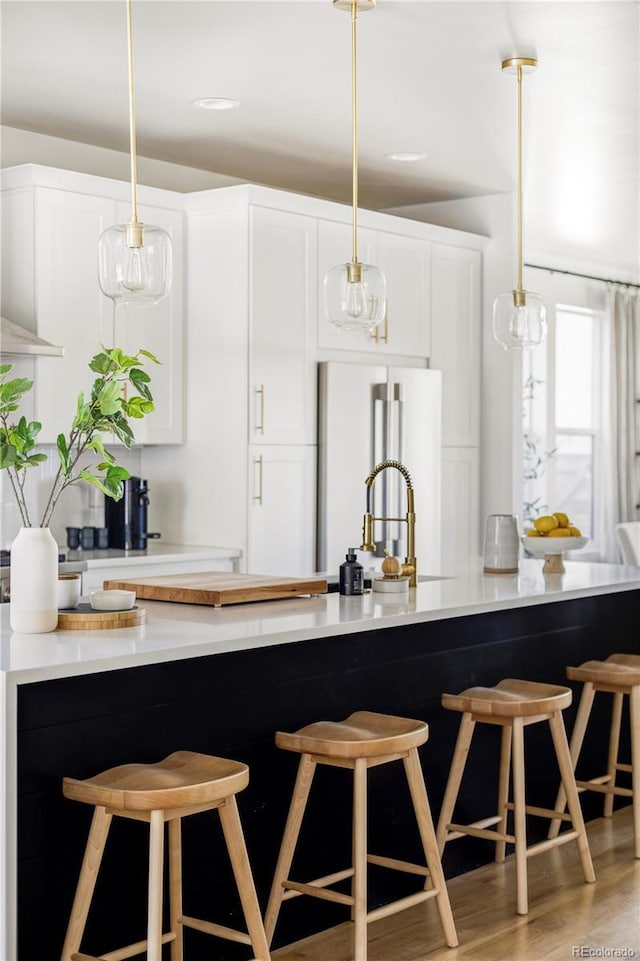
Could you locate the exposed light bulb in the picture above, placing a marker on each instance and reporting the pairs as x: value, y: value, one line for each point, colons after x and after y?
x: 135, y: 274
x: 518, y: 322
x: 355, y: 301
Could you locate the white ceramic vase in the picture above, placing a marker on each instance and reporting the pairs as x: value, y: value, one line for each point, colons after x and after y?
x: 34, y: 581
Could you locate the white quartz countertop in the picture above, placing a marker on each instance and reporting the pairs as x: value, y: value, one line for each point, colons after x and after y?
x: 177, y: 631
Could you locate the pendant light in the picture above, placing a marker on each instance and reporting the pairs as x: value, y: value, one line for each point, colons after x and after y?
x: 134, y: 259
x: 355, y: 294
x: 520, y: 316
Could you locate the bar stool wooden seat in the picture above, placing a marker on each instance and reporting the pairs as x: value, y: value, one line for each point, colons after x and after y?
x: 361, y: 741
x: 619, y: 675
x: 182, y: 784
x: 513, y: 704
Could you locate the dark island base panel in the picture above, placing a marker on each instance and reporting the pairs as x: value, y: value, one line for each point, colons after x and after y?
x: 231, y: 705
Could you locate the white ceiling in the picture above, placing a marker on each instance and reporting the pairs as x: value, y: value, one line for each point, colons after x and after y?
x: 430, y: 81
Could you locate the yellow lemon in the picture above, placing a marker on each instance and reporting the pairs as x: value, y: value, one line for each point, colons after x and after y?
x: 534, y: 533
x: 559, y: 532
x: 545, y: 524
x: 575, y: 532
x: 562, y: 519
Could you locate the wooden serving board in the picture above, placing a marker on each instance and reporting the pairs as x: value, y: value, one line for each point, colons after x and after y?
x: 84, y: 618
x: 215, y: 588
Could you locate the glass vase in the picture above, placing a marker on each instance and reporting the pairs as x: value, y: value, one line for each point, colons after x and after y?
x: 34, y: 581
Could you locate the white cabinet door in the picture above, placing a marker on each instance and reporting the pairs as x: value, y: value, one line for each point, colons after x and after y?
x: 282, y: 327
x: 159, y: 329
x: 70, y: 308
x: 456, y: 312
x: 282, y: 515
x: 460, y: 507
x: 405, y: 262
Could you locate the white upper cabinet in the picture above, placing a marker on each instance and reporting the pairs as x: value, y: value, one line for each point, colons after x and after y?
x: 68, y: 308
x: 52, y: 220
x: 405, y: 262
x: 456, y: 312
x: 282, y: 327
x: 158, y: 329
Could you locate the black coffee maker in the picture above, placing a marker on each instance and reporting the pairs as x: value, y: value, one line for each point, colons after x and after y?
x: 126, y: 519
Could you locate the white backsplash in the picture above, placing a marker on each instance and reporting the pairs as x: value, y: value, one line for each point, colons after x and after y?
x: 81, y: 505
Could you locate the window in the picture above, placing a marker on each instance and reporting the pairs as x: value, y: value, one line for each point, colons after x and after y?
x: 561, y: 419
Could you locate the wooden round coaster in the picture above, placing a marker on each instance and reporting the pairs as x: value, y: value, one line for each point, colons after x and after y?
x: 84, y: 618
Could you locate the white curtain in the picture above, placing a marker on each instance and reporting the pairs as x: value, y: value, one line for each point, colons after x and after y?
x: 620, y: 438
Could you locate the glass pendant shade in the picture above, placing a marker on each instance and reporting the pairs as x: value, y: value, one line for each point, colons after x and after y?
x: 138, y: 273
x: 355, y: 299
x: 519, y: 320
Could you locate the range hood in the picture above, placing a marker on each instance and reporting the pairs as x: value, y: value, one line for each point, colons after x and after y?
x: 15, y: 339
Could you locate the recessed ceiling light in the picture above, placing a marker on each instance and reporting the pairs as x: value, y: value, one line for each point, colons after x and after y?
x: 216, y: 103
x: 406, y: 157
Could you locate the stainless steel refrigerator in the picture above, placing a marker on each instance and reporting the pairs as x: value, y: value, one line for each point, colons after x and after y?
x: 368, y: 414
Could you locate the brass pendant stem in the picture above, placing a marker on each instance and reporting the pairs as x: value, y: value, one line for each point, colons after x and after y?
x: 519, y: 163
x: 132, y: 119
x: 354, y: 127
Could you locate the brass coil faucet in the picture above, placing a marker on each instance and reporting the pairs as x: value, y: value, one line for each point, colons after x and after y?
x: 410, y: 566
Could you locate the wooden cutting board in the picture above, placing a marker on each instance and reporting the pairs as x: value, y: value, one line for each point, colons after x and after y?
x: 84, y: 618
x: 215, y: 588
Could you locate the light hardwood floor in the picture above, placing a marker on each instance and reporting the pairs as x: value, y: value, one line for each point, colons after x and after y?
x: 565, y: 914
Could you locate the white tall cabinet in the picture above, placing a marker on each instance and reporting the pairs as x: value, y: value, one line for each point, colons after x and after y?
x: 51, y: 222
x: 251, y: 437
x: 456, y: 311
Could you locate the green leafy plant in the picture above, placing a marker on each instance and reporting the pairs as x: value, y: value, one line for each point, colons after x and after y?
x: 106, y: 411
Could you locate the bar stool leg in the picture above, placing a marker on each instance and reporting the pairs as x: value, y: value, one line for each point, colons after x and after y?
x: 156, y: 854
x: 360, y: 859
x: 94, y: 850
x: 634, y: 715
x: 237, y: 848
x: 614, y: 748
x: 520, y: 817
x: 422, y: 810
x: 175, y: 887
x: 566, y: 772
x: 503, y: 790
x: 458, y: 762
x: 577, y: 737
x: 306, y: 770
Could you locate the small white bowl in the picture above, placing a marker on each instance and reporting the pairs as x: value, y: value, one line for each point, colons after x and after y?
x: 112, y: 600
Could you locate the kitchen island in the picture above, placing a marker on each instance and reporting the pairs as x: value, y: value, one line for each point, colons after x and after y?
x: 222, y: 681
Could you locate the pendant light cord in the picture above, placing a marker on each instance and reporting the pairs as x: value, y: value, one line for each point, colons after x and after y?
x: 519, y: 163
x: 132, y: 120
x: 354, y: 127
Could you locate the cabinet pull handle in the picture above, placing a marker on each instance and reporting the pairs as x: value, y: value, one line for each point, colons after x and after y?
x: 258, y: 497
x: 260, y: 425
x: 377, y: 336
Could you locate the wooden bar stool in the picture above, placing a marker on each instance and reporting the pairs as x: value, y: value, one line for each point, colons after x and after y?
x: 184, y: 783
x: 512, y: 705
x: 361, y: 741
x: 618, y: 675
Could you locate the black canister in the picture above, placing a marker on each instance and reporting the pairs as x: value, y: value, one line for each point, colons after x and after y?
x: 351, y: 574
x: 73, y: 538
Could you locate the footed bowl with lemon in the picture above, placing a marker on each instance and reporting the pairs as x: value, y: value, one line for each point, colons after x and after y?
x: 550, y: 536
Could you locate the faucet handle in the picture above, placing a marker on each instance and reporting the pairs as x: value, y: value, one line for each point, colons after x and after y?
x: 367, y: 533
